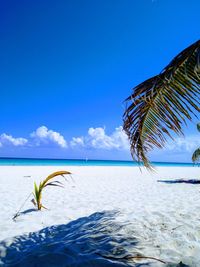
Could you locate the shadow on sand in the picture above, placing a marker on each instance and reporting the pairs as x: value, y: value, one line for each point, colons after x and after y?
x: 27, y: 211
x: 180, y: 181
x: 86, y: 242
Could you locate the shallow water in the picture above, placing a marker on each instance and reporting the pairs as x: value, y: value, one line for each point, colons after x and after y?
x: 83, y: 162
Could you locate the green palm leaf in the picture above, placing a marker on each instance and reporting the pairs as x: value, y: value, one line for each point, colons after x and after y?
x: 198, y: 127
x: 196, y: 155
x: 160, y: 105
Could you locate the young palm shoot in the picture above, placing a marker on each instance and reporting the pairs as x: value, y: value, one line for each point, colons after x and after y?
x: 38, y: 189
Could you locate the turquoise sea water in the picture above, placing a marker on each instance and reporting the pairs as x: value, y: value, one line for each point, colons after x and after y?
x: 81, y: 162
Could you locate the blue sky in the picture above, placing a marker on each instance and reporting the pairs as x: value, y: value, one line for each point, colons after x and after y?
x: 67, y: 66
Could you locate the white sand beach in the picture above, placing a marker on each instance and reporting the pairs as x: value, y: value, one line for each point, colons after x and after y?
x: 136, y: 215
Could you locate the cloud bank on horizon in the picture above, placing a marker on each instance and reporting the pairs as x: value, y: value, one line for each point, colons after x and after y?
x: 95, y: 139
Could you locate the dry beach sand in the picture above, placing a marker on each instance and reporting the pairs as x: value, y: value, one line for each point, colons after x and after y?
x: 103, y: 212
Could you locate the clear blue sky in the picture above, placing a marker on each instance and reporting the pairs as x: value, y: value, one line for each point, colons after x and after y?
x: 68, y: 66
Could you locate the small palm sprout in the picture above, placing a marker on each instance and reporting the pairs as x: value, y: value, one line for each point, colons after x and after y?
x: 46, y: 182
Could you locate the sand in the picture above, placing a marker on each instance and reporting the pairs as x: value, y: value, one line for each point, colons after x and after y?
x: 103, y: 212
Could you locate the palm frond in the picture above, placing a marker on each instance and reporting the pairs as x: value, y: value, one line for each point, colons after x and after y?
x: 198, y: 126
x: 160, y: 105
x: 196, y: 155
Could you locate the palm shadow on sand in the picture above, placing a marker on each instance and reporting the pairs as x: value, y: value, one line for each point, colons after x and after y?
x: 94, y: 241
x: 181, y: 181
x: 88, y: 241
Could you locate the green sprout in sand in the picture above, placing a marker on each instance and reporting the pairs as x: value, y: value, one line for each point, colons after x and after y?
x: 38, y: 189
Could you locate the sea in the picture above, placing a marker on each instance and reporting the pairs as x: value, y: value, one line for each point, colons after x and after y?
x: 82, y: 162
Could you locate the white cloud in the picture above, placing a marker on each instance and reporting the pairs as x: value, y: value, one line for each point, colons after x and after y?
x: 77, y: 141
x: 188, y: 143
x: 121, y: 138
x: 44, y: 135
x: 10, y: 140
x: 97, y: 138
